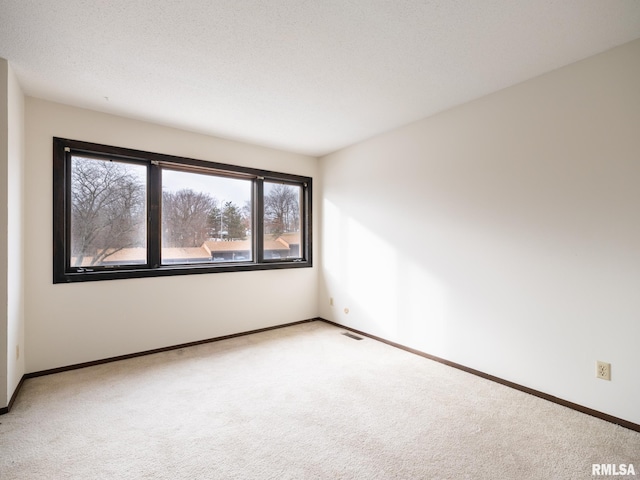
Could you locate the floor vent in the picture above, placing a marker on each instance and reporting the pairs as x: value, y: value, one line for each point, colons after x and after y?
x: 351, y: 335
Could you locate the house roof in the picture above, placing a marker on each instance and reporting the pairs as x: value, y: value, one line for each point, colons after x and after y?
x: 291, y: 238
x: 245, y: 245
x: 126, y: 255
x: 228, y: 246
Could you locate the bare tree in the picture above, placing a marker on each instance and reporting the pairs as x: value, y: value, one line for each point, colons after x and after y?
x: 281, y: 209
x: 186, y: 217
x: 108, y: 209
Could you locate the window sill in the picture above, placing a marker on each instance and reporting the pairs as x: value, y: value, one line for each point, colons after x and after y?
x: 171, y: 270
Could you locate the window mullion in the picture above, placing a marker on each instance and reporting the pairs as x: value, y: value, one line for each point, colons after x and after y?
x: 154, y: 222
x: 305, y: 237
x: 258, y: 220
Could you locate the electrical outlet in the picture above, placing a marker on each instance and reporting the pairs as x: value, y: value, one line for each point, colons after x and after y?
x: 346, y: 310
x: 331, y: 301
x: 17, y: 352
x: 603, y: 370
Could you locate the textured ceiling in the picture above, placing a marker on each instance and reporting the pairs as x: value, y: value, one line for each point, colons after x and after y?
x: 305, y: 76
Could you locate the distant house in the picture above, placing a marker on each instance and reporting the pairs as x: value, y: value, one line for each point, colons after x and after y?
x: 228, y: 250
x: 125, y: 256
x: 285, y: 246
x: 186, y: 255
x: 292, y: 240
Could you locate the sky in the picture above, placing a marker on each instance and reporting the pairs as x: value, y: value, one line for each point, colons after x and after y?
x: 223, y: 189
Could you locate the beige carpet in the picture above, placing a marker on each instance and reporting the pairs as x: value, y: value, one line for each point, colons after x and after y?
x: 301, y: 402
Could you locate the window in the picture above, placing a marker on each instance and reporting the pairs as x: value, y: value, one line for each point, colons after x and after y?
x: 282, y: 224
x: 205, y: 218
x: 121, y: 213
x: 108, y: 205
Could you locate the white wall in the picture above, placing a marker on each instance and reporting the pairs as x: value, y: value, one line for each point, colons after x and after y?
x: 4, y: 209
x: 72, y: 323
x: 12, y: 366
x: 15, y: 241
x: 503, y: 234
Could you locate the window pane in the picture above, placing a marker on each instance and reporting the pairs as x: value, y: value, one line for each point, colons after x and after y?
x: 108, y: 202
x: 282, y: 222
x: 205, y: 218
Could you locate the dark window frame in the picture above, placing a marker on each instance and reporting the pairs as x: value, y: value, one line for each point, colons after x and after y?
x: 64, y: 149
